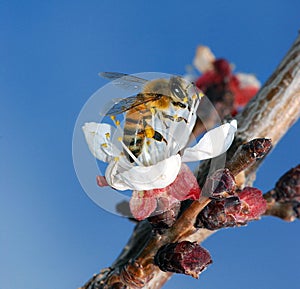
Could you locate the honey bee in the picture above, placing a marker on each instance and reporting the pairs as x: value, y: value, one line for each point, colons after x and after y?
x: 160, y: 97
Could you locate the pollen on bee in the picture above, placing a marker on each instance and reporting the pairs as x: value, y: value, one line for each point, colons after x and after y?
x: 152, y: 110
x: 149, y: 132
x: 104, y: 145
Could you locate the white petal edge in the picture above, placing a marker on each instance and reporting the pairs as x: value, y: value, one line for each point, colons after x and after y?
x: 97, y: 136
x: 212, y: 144
x: 152, y: 177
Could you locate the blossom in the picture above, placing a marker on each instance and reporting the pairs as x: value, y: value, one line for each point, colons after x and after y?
x: 155, y: 172
x: 167, y: 181
x: 229, y: 92
x: 105, y: 144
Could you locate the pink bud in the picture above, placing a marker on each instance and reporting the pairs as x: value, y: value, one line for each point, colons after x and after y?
x: 183, y: 257
x: 232, y: 211
x: 253, y: 205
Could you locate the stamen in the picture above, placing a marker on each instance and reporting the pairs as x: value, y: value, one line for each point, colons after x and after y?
x: 104, y: 145
x: 116, y: 121
x: 195, y: 103
x: 129, y: 152
x: 107, y: 135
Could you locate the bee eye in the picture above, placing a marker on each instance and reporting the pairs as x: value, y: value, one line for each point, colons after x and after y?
x: 176, y: 88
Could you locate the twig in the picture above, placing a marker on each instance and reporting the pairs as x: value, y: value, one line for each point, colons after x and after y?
x: 269, y: 115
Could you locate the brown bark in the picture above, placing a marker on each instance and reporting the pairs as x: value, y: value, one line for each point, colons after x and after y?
x: 269, y: 115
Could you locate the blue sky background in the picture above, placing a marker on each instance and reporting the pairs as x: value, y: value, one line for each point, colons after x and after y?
x: 52, y: 234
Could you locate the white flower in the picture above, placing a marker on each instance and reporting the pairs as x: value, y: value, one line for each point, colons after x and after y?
x: 159, y: 162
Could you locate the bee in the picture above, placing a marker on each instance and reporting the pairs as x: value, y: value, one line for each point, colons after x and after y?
x: 158, y: 97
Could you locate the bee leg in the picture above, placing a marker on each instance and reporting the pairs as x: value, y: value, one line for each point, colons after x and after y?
x: 151, y: 133
x: 163, y: 120
x: 174, y: 118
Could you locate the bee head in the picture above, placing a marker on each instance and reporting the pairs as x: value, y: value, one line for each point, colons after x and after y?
x: 178, y: 88
x: 182, y: 90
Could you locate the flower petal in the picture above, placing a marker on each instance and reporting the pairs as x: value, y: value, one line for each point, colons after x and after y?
x: 212, y: 144
x: 142, y: 204
x: 185, y: 185
x: 97, y: 136
x: 140, y: 178
x: 101, y: 181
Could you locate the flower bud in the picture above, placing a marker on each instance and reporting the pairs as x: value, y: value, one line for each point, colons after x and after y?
x: 183, y: 257
x: 287, y: 187
x: 258, y: 147
x: 219, y: 214
x: 284, y: 199
x: 253, y: 205
x: 236, y: 210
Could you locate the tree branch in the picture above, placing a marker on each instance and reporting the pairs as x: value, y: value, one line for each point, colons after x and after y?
x: 269, y: 115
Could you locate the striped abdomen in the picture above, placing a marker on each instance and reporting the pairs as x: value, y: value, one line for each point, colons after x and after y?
x: 134, y: 128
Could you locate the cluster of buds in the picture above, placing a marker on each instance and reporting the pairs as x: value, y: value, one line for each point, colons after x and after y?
x: 284, y: 200
x: 229, y: 207
x: 183, y: 257
x: 228, y: 91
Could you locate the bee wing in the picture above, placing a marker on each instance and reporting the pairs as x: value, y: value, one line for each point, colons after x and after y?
x: 126, y: 81
x: 125, y: 104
